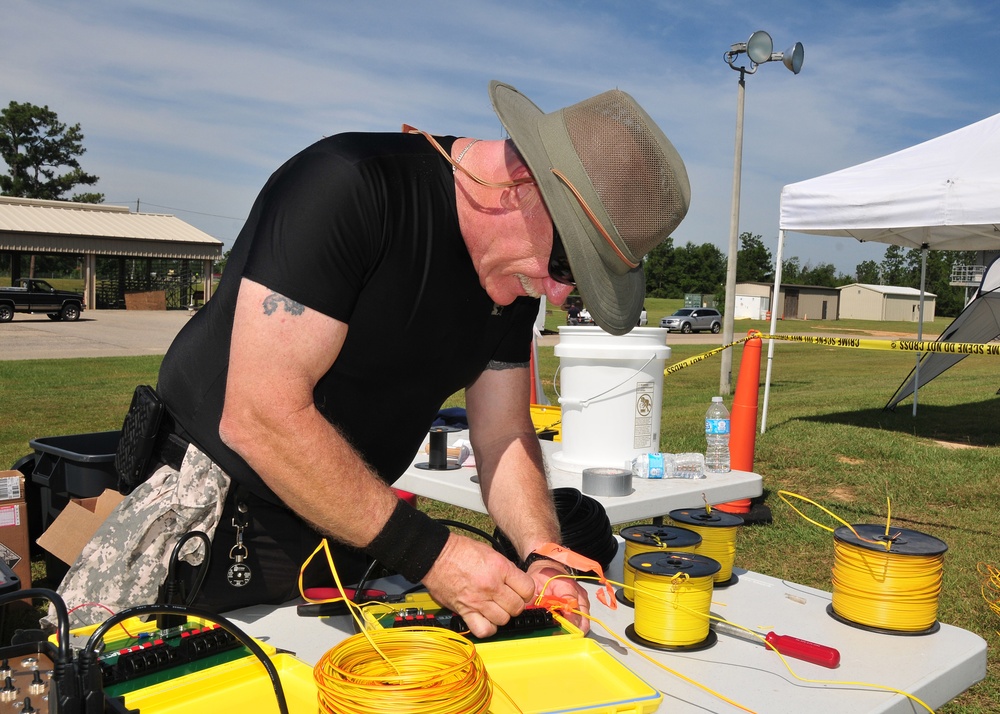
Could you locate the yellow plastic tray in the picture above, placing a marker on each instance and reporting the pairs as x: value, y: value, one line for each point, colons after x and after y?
x: 240, y: 686
x: 531, y: 673
x: 546, y: 417
x: 520, y: 669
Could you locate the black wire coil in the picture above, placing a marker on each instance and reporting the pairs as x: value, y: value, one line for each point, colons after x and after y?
x: 584, y: 528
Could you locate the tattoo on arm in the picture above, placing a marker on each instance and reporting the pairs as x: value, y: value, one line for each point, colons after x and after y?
x: 498, y: 365
x: 272, y: 301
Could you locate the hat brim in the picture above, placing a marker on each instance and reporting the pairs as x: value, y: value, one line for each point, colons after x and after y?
x: 614, y: 299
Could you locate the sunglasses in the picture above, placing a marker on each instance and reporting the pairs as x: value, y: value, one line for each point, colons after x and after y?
x: 559, y: 269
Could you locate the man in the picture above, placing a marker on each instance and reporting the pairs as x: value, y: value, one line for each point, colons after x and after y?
x: 376, y: 276
x: 573, y: 314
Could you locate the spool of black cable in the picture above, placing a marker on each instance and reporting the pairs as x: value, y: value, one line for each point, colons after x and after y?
x: 584, y: 528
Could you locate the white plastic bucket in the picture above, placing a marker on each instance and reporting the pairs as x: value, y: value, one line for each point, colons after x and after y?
x: 611, y: 394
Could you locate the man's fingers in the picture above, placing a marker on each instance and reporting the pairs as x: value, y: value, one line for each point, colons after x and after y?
x: 522, y: 585
x: 479, y: 626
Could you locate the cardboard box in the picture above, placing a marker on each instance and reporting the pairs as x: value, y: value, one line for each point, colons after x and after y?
x: 15, y: 543
x: 76, y: 524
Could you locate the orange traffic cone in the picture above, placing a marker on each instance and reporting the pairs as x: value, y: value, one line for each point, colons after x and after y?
x: 743, y: 419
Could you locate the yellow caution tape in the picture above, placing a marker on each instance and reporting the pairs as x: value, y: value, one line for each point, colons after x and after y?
x: 860, y: 343
x: 677, y: 366
x: 952, y: 348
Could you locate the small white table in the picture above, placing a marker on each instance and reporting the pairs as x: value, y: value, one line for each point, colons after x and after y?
x: 649, y: 498
x: 935, y: 667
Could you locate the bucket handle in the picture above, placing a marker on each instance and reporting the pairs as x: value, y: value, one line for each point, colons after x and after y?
x: 586, y: 402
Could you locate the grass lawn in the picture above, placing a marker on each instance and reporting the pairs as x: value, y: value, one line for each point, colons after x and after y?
x: 827, y: 439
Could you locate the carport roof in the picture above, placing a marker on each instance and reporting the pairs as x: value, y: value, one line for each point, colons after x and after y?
x: 65, y: 226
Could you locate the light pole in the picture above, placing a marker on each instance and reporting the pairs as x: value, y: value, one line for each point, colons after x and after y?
x: 758, y: 49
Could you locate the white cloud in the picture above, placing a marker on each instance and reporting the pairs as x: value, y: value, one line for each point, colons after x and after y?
x: 192, y: 105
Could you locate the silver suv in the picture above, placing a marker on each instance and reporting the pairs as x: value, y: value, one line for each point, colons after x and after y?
x: 693, y: 319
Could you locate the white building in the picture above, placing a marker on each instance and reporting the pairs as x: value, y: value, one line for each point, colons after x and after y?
x: 860, y: 301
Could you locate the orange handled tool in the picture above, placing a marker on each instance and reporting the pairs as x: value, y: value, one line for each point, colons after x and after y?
x: 789, y: 646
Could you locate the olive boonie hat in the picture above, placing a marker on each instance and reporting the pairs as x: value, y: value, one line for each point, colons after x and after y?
x: 614, y: 185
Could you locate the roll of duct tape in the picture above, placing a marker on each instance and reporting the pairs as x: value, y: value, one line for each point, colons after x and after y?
x: 607, y: 482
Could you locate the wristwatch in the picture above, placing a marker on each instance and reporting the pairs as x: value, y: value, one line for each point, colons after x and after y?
x: 532, y: 557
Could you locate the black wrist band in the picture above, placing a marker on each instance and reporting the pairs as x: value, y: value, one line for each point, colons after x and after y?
x: 409, y: 542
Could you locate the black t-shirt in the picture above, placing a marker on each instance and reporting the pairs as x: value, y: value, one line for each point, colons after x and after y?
x: 363, y: 228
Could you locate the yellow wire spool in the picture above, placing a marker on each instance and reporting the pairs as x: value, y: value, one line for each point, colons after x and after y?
x: 652, y: 539
x: 887, y: 580
x: 718, y: 538
x: 673, y: 593
x: 410, y: 670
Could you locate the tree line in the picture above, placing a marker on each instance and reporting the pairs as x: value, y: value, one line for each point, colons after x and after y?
x: 673, y: 272
x: 42, y: 156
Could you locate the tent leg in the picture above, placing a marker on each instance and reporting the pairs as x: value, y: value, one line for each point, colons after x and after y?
x: 775, y: 296
x: 920, y: 323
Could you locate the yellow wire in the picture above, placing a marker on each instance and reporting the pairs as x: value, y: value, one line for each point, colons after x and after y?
x: 633, y: 548
x: 887, y: 590
x: 354, y: 609
x: 991, y: 587
x: 414, y: 670
x: 881, y: 589
x: 456, y: 672
x: 672, y: 610
x: 717, y: 543
x: 886, y: 543
x: 826, y: 682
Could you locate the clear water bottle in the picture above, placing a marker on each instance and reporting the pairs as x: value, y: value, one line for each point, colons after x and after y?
x: 654, y: 466
x: 717, y: 437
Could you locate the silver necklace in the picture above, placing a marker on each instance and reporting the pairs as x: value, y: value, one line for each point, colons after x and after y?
x: 461, y: 155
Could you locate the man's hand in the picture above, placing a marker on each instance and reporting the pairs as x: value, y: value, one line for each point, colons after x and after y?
x: 565, y: 589
x: 481, y: 585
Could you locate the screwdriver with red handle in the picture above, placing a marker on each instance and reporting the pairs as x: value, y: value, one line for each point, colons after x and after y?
x: 787, y: 645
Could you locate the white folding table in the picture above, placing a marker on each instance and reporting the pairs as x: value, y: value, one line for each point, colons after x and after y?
x: 649, y: 498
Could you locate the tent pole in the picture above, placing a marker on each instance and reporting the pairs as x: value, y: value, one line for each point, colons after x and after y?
x: 920, y: 317
x: 775, y: 297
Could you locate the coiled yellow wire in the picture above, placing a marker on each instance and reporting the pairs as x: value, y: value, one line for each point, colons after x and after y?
x: 876, y: 587
x: 991, y: 586
x: 411, y: 670
x: 717, y: 543
x: 634, y: 548
x: 672, y: 610
x: 415, y: 670
x: 885, y: 589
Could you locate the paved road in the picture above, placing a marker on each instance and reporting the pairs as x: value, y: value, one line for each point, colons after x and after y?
x: 98, y: 333
x: 118, y: 333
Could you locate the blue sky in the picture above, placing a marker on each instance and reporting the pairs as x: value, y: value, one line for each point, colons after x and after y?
x: 188, y: 107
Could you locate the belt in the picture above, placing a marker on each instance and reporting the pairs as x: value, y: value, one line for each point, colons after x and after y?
x: 169, y: 450
x: 170, y: 446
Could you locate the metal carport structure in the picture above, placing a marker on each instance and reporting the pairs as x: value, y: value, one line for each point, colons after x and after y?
x: 94, y: 229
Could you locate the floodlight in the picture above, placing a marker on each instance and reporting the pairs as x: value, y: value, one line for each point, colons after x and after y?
x: 759, y: 47
x: 792, y: 57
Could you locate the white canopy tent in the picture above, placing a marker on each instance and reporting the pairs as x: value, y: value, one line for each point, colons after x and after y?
x: 943, y: 194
